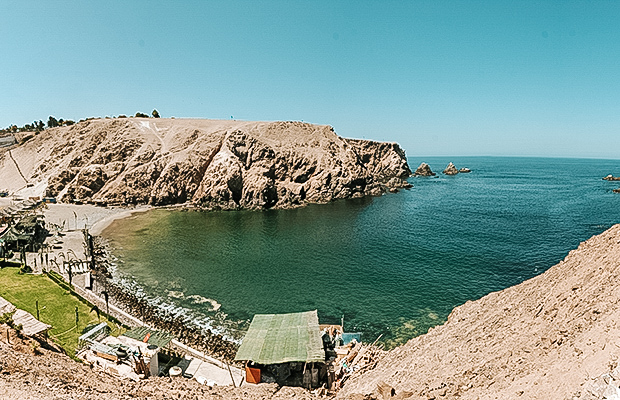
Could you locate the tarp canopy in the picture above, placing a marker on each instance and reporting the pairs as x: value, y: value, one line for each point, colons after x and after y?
x: 6, y: 306
x: 281, y: 338
x: 158, y: 338
x: 30, y: 325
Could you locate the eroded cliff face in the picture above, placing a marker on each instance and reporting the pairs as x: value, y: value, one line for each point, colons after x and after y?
x: 214, y: 164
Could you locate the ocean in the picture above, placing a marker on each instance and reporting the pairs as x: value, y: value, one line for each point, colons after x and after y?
x: 393, y: 265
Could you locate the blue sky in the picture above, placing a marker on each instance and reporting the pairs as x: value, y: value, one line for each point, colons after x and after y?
x: 524, y: 78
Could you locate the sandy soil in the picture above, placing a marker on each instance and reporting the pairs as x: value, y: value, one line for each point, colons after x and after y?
x: 51, y: 375
x: 77, y: 217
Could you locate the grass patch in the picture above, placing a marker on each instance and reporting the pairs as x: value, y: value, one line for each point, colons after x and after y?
x: 56, y: 306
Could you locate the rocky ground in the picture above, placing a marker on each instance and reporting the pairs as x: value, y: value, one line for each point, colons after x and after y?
x: 30, y: 372
x: 214, y: 164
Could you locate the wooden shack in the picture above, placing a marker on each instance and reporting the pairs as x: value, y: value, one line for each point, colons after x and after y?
x: 284, y: 348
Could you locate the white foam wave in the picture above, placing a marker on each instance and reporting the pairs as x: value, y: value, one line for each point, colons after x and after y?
x: 176, y: 294
x: 216, y: 323
x: 197, y: 299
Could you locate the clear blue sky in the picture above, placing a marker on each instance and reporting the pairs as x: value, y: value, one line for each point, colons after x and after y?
x: 538, y: 78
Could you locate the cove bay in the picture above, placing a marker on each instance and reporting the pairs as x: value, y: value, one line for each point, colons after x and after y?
x: 394, y: 265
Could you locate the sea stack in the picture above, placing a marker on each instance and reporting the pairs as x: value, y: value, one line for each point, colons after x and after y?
x: 450, y: 169
x: 424, y: 170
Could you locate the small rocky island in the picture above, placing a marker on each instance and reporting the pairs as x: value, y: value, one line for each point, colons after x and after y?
x: 610, y: 177
x: 424, y: 170
x: 450, y: 170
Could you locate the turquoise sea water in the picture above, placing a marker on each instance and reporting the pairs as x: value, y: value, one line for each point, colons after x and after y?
x: 393, y: 265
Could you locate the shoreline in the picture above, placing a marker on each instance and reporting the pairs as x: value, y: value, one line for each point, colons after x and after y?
x: 184, y: 331
x: 97, y: 219
x: 73, y: 217
x: 102, y: 224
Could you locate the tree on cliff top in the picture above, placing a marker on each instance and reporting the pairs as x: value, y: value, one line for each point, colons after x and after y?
x: 52, y: 122
x: 155, y: 114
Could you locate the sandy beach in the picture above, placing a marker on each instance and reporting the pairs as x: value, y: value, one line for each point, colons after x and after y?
x: 66, y: 223
x: 71, y: 217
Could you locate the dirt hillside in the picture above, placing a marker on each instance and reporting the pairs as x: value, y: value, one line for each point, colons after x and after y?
x: 30, y: 372
x: 546, y: 338
x: 215, y: 164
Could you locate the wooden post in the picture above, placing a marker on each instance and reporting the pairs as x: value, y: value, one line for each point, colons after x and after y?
x: 231, y: 375
x: 306, y: 380
x: 105, y: 296
x: 376, y: 340
x: 331, y: 378
x: 70, y: 273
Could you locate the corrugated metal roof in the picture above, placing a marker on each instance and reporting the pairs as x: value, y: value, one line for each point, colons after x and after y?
x: 10, y: 235
x: 281, y: 338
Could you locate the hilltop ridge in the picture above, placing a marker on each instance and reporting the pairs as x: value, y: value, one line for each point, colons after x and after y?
x: 210, y: 163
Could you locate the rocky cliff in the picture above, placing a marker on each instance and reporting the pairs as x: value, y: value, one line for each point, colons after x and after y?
x: 215, y: 164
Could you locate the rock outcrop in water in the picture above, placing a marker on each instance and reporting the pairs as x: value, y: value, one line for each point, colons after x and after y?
x: 214, y: 164
x: 424, y: 170
x: 450, y: 170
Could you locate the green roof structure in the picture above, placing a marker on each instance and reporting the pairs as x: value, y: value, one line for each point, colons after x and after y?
x: 282, y: 338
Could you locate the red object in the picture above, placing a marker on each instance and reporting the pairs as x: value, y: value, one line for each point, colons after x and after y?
x: 147, y: 337
x: 252, y: 375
